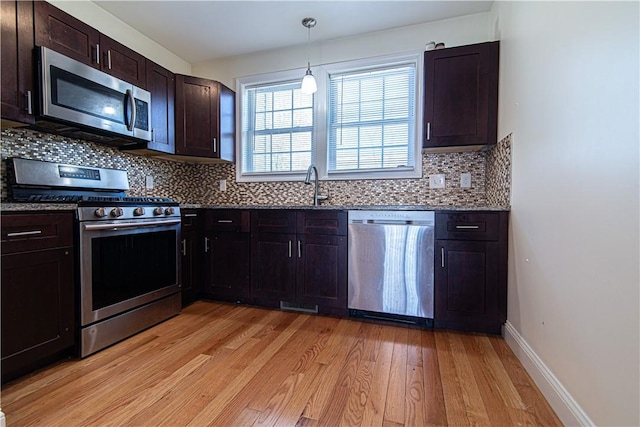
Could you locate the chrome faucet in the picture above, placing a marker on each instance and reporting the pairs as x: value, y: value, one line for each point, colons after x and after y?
x: 316, y: 197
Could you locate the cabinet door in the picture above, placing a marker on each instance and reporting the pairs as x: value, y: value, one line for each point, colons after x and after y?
x: 63, y: 33
x: 461, y: 95
x: 190, y: 264
x: 17, y: 91
x: 196, y: 116
x: 228, y: 265
x: 161, y: 83
x: 122, y: 62
x: 466, y: 286
x: 273, y: 268
x: 322, y: 271
x: 226, y: 127
x: 37, y: 308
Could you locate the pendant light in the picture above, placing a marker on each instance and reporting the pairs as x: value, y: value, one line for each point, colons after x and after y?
x: 309, y: 85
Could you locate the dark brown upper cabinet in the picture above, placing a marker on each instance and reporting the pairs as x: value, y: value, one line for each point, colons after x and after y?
x: 205, y: 119
x: 461, y: 96
x: 65, y: 34
x: 17, y: 87
x: 162, y: 84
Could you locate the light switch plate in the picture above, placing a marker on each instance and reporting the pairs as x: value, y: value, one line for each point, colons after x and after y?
x: 465, y: 180
x: 223, y: 185
x: 436, y: 181
x: 148, y: 182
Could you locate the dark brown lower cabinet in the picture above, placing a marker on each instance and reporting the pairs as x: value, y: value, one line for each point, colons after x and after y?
x: 471, y: 271
x: 37, y: 286
x: 227, y: 266
x: 300, y: 270
x: 227, y: 255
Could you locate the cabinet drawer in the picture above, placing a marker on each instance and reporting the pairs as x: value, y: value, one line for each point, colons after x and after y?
x: 227, y: 220
x: 322, y: 222
x: 28, y: 232
x: 191, y: 220
x: 273, y: 221
x: 468, y: 226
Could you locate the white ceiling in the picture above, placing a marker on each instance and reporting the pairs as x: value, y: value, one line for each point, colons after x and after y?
x: 198, y: 31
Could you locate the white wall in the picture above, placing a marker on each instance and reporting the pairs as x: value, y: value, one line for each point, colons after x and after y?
x: 569, y: 93
x: 453, y: 32
x: 113, y: 27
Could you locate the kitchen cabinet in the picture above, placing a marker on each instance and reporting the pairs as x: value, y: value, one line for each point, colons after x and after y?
x: 471, y: 271
x: 227, y: 255
x: 461, y: 96
x: 162, y: 84
x: 205, y: 119
x: 299, y: 260
x: 191, y: 255
x: 17, y: 90
x: 37, y: 291
x: 65, y: 34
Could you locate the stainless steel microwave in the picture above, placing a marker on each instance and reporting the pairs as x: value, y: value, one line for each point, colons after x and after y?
x: 74, y: 93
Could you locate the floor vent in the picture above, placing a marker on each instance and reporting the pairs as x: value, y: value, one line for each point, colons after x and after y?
x: 292, y: 306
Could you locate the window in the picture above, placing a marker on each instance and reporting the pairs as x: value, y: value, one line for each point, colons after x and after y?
x: 361, y: 124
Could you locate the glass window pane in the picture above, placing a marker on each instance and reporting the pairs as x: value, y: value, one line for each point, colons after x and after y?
x: 301, y: 141
x: 300, y: 161
x: 282, y: 100
x: 281, y: 162
x: 346, y: 159
x: 281, y: 143
x: 303, y: 118
x: 282, y: 119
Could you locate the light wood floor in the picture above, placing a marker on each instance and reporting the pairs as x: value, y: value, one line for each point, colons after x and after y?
x: 218, y: 364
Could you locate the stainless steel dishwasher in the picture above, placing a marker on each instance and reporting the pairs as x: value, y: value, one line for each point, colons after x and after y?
x: 391, y: 265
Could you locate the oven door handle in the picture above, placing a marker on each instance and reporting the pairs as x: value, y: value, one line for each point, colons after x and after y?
x: 114, y: 227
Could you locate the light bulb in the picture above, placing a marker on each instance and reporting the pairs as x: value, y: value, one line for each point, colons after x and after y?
x: 309, y: 85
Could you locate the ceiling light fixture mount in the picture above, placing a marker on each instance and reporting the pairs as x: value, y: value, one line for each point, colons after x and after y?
x: 309, y: 85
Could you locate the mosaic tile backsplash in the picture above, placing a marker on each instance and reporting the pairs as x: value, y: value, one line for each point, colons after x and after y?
x: 199, y: 183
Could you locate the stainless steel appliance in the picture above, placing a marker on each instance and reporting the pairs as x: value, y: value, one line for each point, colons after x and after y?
x: 74, y: 93
x: 127, y: 247
x: 391, y: 265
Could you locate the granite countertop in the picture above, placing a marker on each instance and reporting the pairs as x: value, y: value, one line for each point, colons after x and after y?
x: 24, y: 207
x: 354, y: 207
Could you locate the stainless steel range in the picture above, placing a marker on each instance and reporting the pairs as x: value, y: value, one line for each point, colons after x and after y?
x: 127, y: 247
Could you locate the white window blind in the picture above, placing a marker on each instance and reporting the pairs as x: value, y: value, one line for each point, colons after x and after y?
x: 371, y: 121
x: 277, y: 128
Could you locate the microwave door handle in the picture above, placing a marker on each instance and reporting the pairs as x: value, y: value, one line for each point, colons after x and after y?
x: 132, y: 107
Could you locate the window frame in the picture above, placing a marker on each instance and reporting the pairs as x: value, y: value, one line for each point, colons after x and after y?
x: 320, y: 143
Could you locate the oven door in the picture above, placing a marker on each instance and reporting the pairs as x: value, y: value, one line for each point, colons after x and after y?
x: 126, y: 264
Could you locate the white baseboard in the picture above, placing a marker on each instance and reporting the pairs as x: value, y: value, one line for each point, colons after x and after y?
x: 565, y: 406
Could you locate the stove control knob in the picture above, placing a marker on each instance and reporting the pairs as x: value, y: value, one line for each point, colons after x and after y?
x: 100, y: 213
x: 158, y: 211
x: 169, y: 211
x: 116, y: 212
x: 138, y: 211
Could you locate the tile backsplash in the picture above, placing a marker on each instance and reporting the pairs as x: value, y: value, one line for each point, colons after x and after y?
x: 199, y: 183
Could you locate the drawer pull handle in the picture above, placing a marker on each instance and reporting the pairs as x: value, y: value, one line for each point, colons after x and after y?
x: 24, y: 233
x: 190, y: 215
x: 206, y: 244
x: 299, y: 249
x: 225, y: 221
x: 184, y: 247
x: 442, y: 257
x: 289, y: 248
x: 467, y: 227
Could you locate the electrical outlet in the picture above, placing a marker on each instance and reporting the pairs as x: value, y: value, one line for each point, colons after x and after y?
x: 223, y: 185
x: 465, y: 180
x: 148, y: 182
x: 436, y: 181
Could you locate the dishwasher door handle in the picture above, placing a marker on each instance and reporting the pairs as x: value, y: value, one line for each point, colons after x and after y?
x: 442, y: 257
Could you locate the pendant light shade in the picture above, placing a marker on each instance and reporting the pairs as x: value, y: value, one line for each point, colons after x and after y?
x: 309, y: 85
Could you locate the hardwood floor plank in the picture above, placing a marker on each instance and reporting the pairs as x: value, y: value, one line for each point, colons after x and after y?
x: 332, y: 413
x: 451, y: 388
x: 414, y: 399
x: 227, y: 365
x: 218, y: 404
x: 394, y: 407
x: 534, y: 403
x: 435, y: 409
x: 374, y: 409
x: 475, y: 409
x: 334, y: 356
x: 357, y: 400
